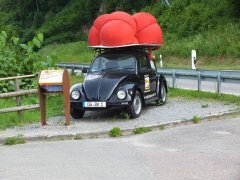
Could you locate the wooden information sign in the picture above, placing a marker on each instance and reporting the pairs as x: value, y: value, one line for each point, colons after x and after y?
x: 54, y: 82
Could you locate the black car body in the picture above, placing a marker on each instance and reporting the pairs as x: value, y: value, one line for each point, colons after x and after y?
x: 119, y: 78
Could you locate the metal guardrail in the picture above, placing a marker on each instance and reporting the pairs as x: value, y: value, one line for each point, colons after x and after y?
x: 73, y: 66
x: 199, y: 75
x: 202, y: 75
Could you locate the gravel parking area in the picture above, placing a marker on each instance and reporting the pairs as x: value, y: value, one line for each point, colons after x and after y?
x: 175, y: 109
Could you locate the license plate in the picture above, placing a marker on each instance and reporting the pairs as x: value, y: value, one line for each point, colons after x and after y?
x: 94, y: 104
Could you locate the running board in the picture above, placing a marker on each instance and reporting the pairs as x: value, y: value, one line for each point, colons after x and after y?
x: 151, y: 100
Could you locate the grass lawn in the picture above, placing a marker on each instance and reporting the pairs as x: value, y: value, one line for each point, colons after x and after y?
x: 76, y: 52
x: 54, y: 108
x: 201, y: 95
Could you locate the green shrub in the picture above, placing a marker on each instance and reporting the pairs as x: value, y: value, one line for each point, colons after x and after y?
x: 21, y: 59
x: 141, y: 130
x: 15, y: 140
x: 162, y: 127
x: 18, y: 59
x: 78, y: 137
x: 115, y: 132
x: 196, y: 119
x: 205, y: 105
x: 125, y: 115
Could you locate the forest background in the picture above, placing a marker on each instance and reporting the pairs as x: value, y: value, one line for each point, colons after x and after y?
x: 212, y: 28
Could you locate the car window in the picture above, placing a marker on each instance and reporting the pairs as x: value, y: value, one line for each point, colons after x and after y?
x: 144, y: 63
x: 114, y: 61
x: 127, y: 62
x: 99, y: 64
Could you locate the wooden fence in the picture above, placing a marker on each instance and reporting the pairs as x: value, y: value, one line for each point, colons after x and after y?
x: 18, y: 93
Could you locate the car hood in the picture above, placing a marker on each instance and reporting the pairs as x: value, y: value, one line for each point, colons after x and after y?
x: 100, y: 86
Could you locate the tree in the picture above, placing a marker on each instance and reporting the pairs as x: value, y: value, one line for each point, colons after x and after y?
x: 93, y: 8
x: 236, y: 7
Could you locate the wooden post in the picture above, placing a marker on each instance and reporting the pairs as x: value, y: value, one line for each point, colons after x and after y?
x: 18, y: 99
x: 66, y: 94
x: 42, y: 104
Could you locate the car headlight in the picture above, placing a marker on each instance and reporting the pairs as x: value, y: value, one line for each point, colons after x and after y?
x: 75, y: 94
x: 121, y: 94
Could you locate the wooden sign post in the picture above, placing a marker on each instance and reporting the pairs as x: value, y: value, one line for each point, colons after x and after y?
x: 54, y: 82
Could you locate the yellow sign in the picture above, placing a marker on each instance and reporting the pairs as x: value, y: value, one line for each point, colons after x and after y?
x: 51, y: 77
x: 147, y: 83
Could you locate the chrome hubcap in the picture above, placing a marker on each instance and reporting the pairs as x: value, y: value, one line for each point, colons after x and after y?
x: 137, y: 104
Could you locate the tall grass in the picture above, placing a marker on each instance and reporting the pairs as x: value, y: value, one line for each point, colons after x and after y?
x: 193, y: 94
x: 55, y: 106
x: 224, y: 41
x: 77, y: 52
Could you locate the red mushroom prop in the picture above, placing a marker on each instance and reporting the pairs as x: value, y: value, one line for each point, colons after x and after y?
x: 120, y: 28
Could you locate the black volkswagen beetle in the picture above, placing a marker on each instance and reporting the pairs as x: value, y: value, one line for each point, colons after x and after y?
x: 119, y: 78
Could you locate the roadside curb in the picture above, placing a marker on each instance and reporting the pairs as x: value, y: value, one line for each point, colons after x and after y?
x: 125, y: 132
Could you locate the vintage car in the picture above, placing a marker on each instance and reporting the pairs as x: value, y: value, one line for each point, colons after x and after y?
x: 119, y: 78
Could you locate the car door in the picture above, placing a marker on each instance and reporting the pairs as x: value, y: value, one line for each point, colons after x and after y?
x: 148, y: 79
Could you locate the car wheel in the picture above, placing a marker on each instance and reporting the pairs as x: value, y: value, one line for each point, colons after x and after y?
x: 163, y: 93
x: 76, y: 114
x: 135, y: 108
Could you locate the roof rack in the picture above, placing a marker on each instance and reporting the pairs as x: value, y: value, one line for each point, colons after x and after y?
x: 140, y: 46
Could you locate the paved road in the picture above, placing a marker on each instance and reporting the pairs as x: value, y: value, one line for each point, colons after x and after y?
x: 209, y: 150
x: 210, y: 86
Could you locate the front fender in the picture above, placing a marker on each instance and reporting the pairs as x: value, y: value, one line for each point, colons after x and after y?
x: 76, y: 86
x: 79, y: 87
x: 131, y: 89
x: 128, y: 87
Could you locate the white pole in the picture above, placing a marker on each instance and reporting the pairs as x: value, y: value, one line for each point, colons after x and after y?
x: 161, y: 63
x: 194, y: 59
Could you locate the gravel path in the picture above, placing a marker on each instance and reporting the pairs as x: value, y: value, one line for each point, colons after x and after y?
x: 175, y: 109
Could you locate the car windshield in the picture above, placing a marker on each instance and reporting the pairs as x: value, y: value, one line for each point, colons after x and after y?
x: 114, y: 61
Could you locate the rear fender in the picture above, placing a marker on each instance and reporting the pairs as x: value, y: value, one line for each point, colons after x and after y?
x: 163, y: 80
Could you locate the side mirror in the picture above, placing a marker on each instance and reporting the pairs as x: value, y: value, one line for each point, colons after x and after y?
x: 85, y: 70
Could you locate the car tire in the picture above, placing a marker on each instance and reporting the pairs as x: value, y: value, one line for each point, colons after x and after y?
x: 162, y: 93
x: 76, y: 114
x: 135, y: 108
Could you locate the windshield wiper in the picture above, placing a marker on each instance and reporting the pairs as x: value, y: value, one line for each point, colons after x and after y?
x: 109, y: 68
x: 117, y: 68
x: 128, y: 68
